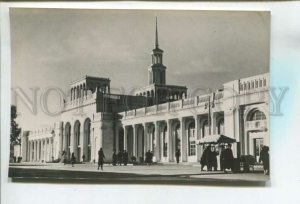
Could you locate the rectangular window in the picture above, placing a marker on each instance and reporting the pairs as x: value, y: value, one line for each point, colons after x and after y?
x: 192, y: 148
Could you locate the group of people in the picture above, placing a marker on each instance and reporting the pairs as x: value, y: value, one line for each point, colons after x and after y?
x: 209, y: 158
x: 148, y: 157
x: 121, y: 157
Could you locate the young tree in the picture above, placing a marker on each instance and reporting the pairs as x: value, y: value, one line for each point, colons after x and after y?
x: 14, y: 129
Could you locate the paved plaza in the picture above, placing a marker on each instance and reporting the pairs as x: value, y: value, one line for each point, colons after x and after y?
x: 181, y: 174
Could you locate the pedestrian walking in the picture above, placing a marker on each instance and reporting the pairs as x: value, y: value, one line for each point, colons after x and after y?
x: 177, y: 155
x: 125, y: 158
x: 73, y: 159
x: 100, y: 159
x: 264, y: 158
x: 120, y: 157
x: 114, y: 158
x: 227, y: 158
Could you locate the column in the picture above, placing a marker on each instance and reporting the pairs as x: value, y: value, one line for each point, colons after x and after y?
x: 157, y: 142
x: 51, y: 148
x: 45, y: 149
x: 34, y: 150
x: 146, y: 138
x: 134, y: 141
x: 171, y: 141
x: 38, y: 151
x: 125, y: 138
x: 183, y: 140
x: 197, y: 136
x: 81, y: 134
x: 30, y: 151
x: 72, y: 141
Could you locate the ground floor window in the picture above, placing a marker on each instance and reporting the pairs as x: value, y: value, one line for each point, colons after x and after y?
x: 192, y: 148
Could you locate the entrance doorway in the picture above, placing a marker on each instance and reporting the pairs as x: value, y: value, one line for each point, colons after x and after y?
x: 258, y: 144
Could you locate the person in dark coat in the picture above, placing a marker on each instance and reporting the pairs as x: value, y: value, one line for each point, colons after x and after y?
x: 125, y: 158
x: 120, y: 157
x: 73, y: 159
x: 227, y: 158
x: 177, y: 155
x: 204, y: 158
x: 114, y: 158
x: 100, y: 159
x: 212, y: 159
x: 148, y: 156
x: 264, y: 158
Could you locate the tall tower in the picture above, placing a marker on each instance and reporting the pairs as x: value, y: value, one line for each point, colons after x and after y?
x: 157, y: 71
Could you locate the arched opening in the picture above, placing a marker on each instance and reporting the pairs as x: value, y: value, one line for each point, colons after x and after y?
x: 191, y: 139
x: 152, y: 138
x: 165, y: 141
x: 256, y: 131
x: 177, y: 138
x: 87, y: 141
x: 130, y: 142
x: 257, y: 115
x: 76, y: 143
x: 67, y: 140
x: 121, y: 139
x: 140, y: 142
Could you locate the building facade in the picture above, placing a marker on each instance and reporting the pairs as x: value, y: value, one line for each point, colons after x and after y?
x: 159, y: 117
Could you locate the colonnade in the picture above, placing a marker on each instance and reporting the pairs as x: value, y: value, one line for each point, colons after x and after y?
x: 165, y: 137
x: 40, y: 150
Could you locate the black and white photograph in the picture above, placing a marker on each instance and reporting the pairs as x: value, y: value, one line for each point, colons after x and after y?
x: 175, y: 97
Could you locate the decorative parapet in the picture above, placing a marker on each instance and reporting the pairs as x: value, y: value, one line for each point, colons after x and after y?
x: 171, y: 106
x: 254, y: 83
x: 84, y: 100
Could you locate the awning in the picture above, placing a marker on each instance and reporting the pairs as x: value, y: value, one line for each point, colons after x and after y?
x: 216, y: 139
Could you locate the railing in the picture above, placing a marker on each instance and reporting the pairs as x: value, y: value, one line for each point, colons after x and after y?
x: 175, y: 104
x: 162, y: 107
x: 203, y: 99
x: 219, y: 95
x: 140, y: 112
x: 151, y: 109
x: 188, y: 101
x: 130, y: 113
x: 80, y: 101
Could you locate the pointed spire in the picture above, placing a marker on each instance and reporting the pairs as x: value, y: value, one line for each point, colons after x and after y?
x: 156, y: 35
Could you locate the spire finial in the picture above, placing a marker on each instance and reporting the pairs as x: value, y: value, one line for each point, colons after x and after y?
x: 156, y: 35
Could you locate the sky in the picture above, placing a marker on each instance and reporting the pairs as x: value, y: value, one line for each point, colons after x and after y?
x: 202, y: 49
